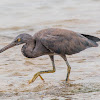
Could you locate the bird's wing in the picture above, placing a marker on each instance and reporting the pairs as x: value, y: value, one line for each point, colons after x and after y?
x: 66, y: 44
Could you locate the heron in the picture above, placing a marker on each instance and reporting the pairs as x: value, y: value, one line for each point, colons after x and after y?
x: 52, y: 41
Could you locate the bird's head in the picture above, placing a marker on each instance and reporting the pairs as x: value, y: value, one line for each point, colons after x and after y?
x: 20, y: 39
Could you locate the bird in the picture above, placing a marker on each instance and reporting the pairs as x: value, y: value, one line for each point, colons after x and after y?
x: 52, y: 41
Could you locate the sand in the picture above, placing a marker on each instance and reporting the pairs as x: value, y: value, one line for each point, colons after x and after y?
x: 30, y: 16
x: 16, y: 71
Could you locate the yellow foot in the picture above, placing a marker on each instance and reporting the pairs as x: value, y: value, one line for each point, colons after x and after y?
x: 34, y: 78
x: 68, y: 80
x: 41, y: 78
x: 30, y: 81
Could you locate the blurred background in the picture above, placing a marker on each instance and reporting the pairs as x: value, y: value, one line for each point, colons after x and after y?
x: 29, y: 16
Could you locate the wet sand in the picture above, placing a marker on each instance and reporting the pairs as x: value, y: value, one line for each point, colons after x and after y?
x: 16, y: 70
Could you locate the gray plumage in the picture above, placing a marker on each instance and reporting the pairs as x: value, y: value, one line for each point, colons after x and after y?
x: 53, y: 41
x: 56, y: 41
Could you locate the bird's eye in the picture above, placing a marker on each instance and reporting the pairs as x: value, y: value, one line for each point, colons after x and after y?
x: 18, y: 39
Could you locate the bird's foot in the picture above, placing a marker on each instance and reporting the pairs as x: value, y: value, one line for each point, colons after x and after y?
x: 41, y: 78
x: 30, y: 81
x: 67, y: 81
x: 34, y: 78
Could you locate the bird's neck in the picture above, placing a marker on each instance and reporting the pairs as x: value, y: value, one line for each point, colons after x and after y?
x: 27, y: 49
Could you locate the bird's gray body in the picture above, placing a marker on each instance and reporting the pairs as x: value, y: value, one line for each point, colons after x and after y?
x: 56, y: 41
x: 50, y: 42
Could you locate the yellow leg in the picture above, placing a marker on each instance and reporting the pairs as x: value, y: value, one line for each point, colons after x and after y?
x: 38, y: 74
x: 68, y: 73
x: 42, y: 72
x: 41, y: 78
x: 68, y: 67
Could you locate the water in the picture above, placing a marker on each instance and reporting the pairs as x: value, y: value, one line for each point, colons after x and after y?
x: 30, y: 16
x: 18, y: 16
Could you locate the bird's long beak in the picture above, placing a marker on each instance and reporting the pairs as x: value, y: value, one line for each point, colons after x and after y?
x: 7, y: 47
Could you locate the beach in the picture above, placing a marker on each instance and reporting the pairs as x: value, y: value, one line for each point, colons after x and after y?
x: 30, y: 16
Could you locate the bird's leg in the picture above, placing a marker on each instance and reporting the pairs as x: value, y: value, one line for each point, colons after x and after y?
x: 68, y: 68
x: 68, y: 73
x: 41, y: 77
x: 42, y: 72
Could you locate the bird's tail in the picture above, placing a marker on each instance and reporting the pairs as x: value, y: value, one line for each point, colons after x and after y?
x: 93, y: 38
